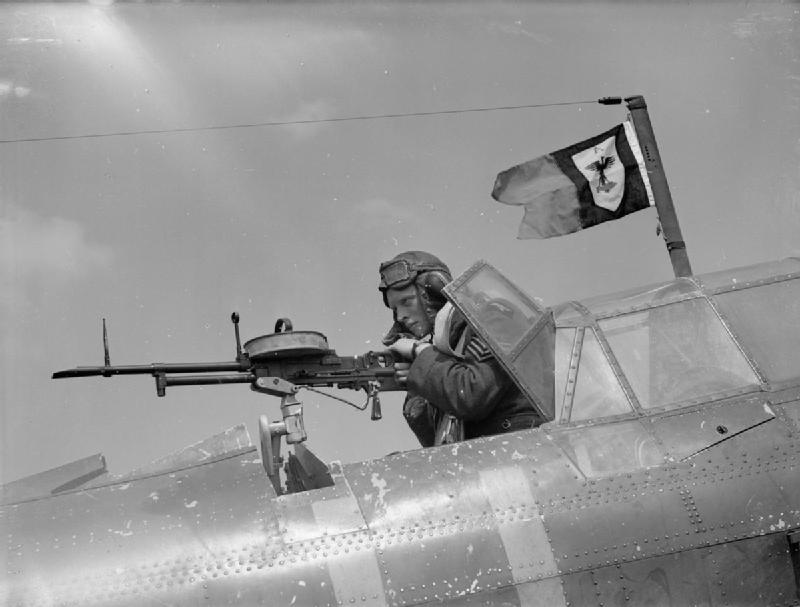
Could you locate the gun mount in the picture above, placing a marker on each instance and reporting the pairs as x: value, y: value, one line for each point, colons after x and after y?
x: 279, y: 364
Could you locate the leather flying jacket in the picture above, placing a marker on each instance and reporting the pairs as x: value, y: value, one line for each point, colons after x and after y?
x: 475, y: 389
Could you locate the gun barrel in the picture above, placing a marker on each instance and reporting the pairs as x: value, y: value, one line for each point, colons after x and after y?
x: 151, y: 369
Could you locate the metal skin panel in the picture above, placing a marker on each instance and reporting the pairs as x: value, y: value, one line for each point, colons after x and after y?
x: 325, y: 526
x: 156, y: 540
x: 791, y: 412
x: 786, y: 405
x: 328, y: 511
x: 741, y: 487
x: 789, y: 396
x: 468, y: 560
x: 461, y: 520
x: 672, y: 580
x: 747, y: 486
x: 748, y: 572
x: 547, y: 592
x: 688, y: 431
x: 391, y: 488
x: 734, y: 580
x: 624, y: 518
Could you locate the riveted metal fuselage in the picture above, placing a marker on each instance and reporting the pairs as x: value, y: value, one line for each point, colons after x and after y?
x: 510, y: 518
x: 688, y: 501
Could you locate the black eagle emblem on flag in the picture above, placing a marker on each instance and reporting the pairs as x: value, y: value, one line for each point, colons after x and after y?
x: 600, y: 166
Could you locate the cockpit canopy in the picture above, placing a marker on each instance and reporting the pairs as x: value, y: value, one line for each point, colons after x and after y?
x: 655, y: 348
x: 519, y: 331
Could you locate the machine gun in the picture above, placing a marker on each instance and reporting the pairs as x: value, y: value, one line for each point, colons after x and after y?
x: 278, y: 364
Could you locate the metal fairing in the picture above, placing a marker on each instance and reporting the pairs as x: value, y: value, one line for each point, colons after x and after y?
x: 160, y: 539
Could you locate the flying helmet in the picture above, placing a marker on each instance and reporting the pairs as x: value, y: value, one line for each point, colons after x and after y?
x: 427, y: 272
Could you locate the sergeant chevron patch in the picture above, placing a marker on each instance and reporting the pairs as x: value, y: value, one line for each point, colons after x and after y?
x: 477, y: 349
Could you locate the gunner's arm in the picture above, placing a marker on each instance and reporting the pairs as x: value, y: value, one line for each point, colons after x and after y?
x: 470, y: 388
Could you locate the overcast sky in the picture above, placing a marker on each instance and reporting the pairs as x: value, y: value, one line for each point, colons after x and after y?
x: 165, y: 226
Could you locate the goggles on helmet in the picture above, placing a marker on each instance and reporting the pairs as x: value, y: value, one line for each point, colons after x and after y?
x: 396, y: 272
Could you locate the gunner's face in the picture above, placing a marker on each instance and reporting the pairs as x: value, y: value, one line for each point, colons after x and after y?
x: 409, y: 311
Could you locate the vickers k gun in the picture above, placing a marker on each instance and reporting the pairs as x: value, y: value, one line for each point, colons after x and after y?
x: 278, y: 364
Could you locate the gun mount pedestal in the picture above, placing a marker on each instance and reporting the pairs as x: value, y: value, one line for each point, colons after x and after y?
x: 292, y: 426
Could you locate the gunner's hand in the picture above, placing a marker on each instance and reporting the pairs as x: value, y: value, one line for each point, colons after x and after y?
x: 401, y: 372
x: 403, y: 347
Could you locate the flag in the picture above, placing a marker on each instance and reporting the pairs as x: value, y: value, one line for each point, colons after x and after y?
x: 596, y: 180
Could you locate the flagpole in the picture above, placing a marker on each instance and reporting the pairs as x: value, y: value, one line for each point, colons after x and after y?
x: 658, y: 181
